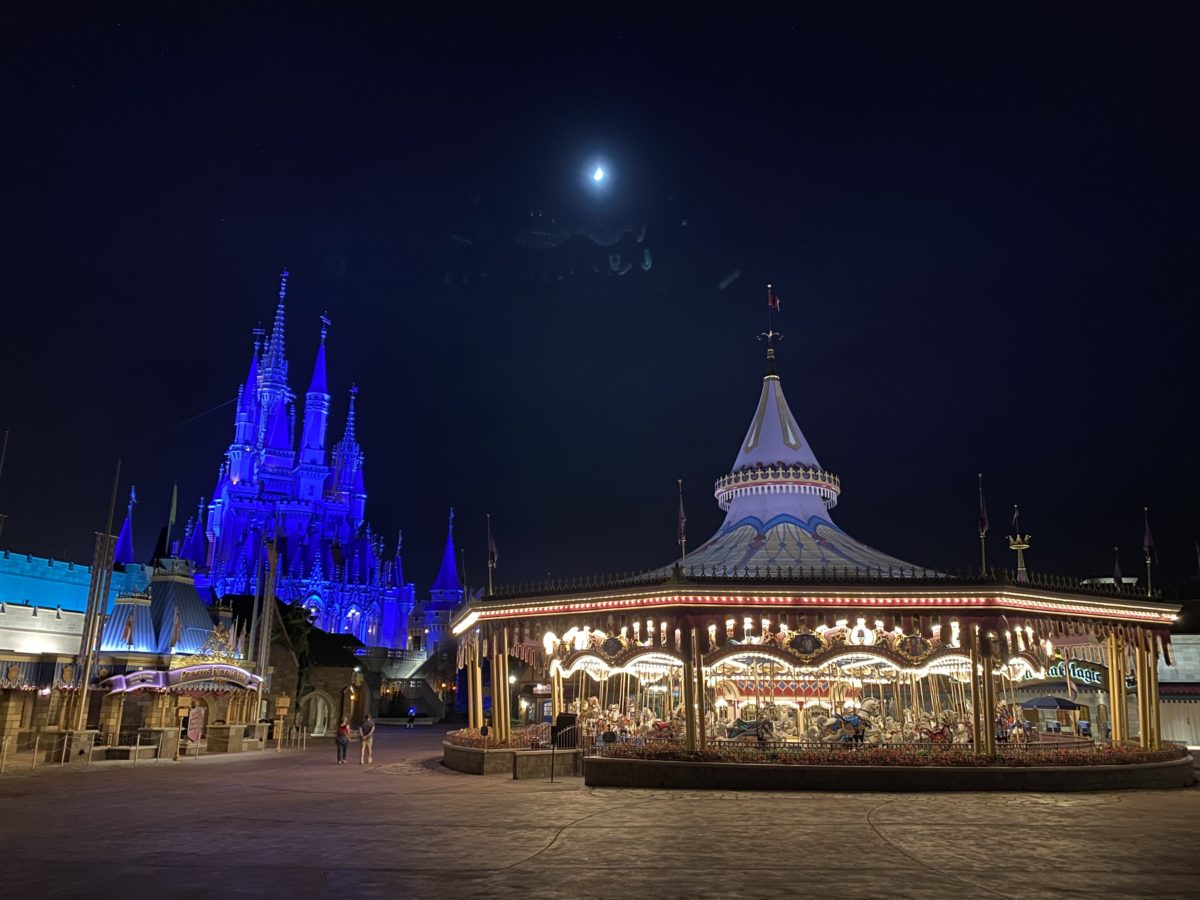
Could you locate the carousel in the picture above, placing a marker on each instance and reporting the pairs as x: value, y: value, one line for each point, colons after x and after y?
x: 784, y: 628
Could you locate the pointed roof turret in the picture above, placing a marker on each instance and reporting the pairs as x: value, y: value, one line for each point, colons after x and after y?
x: 318, y: 384
x: 774, y: 437
x: 124, y: 550
x: 447, y: 582
x: 195, y: 547
x: 248, y: 398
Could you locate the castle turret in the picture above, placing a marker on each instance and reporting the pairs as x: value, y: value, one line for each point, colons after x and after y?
x: 316, y: 409
x: 246, y: 423
x: 347, y: 465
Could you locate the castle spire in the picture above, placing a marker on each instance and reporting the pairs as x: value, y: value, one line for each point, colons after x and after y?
x: 316, y: 408
x: 318, y: 383
x: 274, y: 359
x: 348, y: 437
x: 447, y: 586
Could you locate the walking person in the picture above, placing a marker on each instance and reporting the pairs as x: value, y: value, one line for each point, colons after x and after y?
x: 412, y: 717
x: 366, y: 731
x: 342, y: 741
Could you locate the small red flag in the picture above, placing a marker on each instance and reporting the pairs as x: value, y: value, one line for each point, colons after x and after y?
x: 772, y: 298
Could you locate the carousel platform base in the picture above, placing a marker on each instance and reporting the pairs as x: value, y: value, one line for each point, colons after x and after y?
x: 672, y: 775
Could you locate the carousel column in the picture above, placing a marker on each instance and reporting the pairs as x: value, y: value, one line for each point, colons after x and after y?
x: 698, y: 674
x: 1141, y: 678
x: 989, y: 703
x: 976, y: 694
x: 556, y: 706
x: 1115, y: 689
x: 689, y: 698
x: 472, y: 722
x: 494, y: 672
x: 505, y: 691
x: 477, y: 687
x: 1152, y: 692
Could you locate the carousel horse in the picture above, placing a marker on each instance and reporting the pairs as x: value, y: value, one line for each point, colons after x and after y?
x: 847, y: 728
x: 942, y: 734
x: 759, y: 729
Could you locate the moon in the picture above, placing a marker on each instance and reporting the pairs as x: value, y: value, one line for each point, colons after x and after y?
x: 599, y: 175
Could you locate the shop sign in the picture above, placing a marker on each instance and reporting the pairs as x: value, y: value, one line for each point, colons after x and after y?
x: 156, y: 679
x: 195, y: 728
x: 1082, y: 672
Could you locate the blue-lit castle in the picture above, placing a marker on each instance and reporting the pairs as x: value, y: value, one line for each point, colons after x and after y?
x: 280, y: 481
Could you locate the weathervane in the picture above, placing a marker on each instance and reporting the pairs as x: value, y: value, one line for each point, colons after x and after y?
x: 772, y: 306
x: 1020, y: 543
x: 325, y: 323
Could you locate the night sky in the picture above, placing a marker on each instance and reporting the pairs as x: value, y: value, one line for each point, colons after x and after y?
x: 982, y: 226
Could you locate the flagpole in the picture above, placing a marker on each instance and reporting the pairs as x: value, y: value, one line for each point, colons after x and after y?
x: 491, y: 563
x: 97, y: 604
x: 1149, y: 548
x: 171, y: 518
x: 682, y: 523
x: 983, y: 528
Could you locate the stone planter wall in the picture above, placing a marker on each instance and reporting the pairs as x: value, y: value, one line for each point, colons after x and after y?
x: 474, y: 761
x: 536, y: 763
x: 642, y: 773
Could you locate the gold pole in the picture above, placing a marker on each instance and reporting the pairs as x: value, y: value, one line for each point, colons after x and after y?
x: 1140, y: 675
x: 976, y: 702
x: 471, y: 723
x: 698, y: 674
x: 1156, y: 707
x: 688, y: 688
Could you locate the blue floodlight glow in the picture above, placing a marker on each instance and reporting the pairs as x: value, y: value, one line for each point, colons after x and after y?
x: 598, y: 175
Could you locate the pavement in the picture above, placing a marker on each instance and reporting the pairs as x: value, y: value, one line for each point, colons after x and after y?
x: 295, y: 824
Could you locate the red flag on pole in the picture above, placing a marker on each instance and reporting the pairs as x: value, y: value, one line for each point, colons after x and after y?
x: 772, y: 298
x: 983, y: 516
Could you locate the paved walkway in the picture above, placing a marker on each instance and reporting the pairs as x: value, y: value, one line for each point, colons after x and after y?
x: 297, y: 825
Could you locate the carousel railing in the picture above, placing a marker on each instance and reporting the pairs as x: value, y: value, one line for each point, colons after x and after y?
x: 736, y: 746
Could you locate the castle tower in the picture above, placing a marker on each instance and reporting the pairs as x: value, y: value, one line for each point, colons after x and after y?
x: 348, y: 466
x: 316, y: 409
x: 313, y: 470
x: 445, y: 597
x: 246, y: 423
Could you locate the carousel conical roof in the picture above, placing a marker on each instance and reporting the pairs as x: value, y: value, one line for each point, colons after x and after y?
x: 778, y: 500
